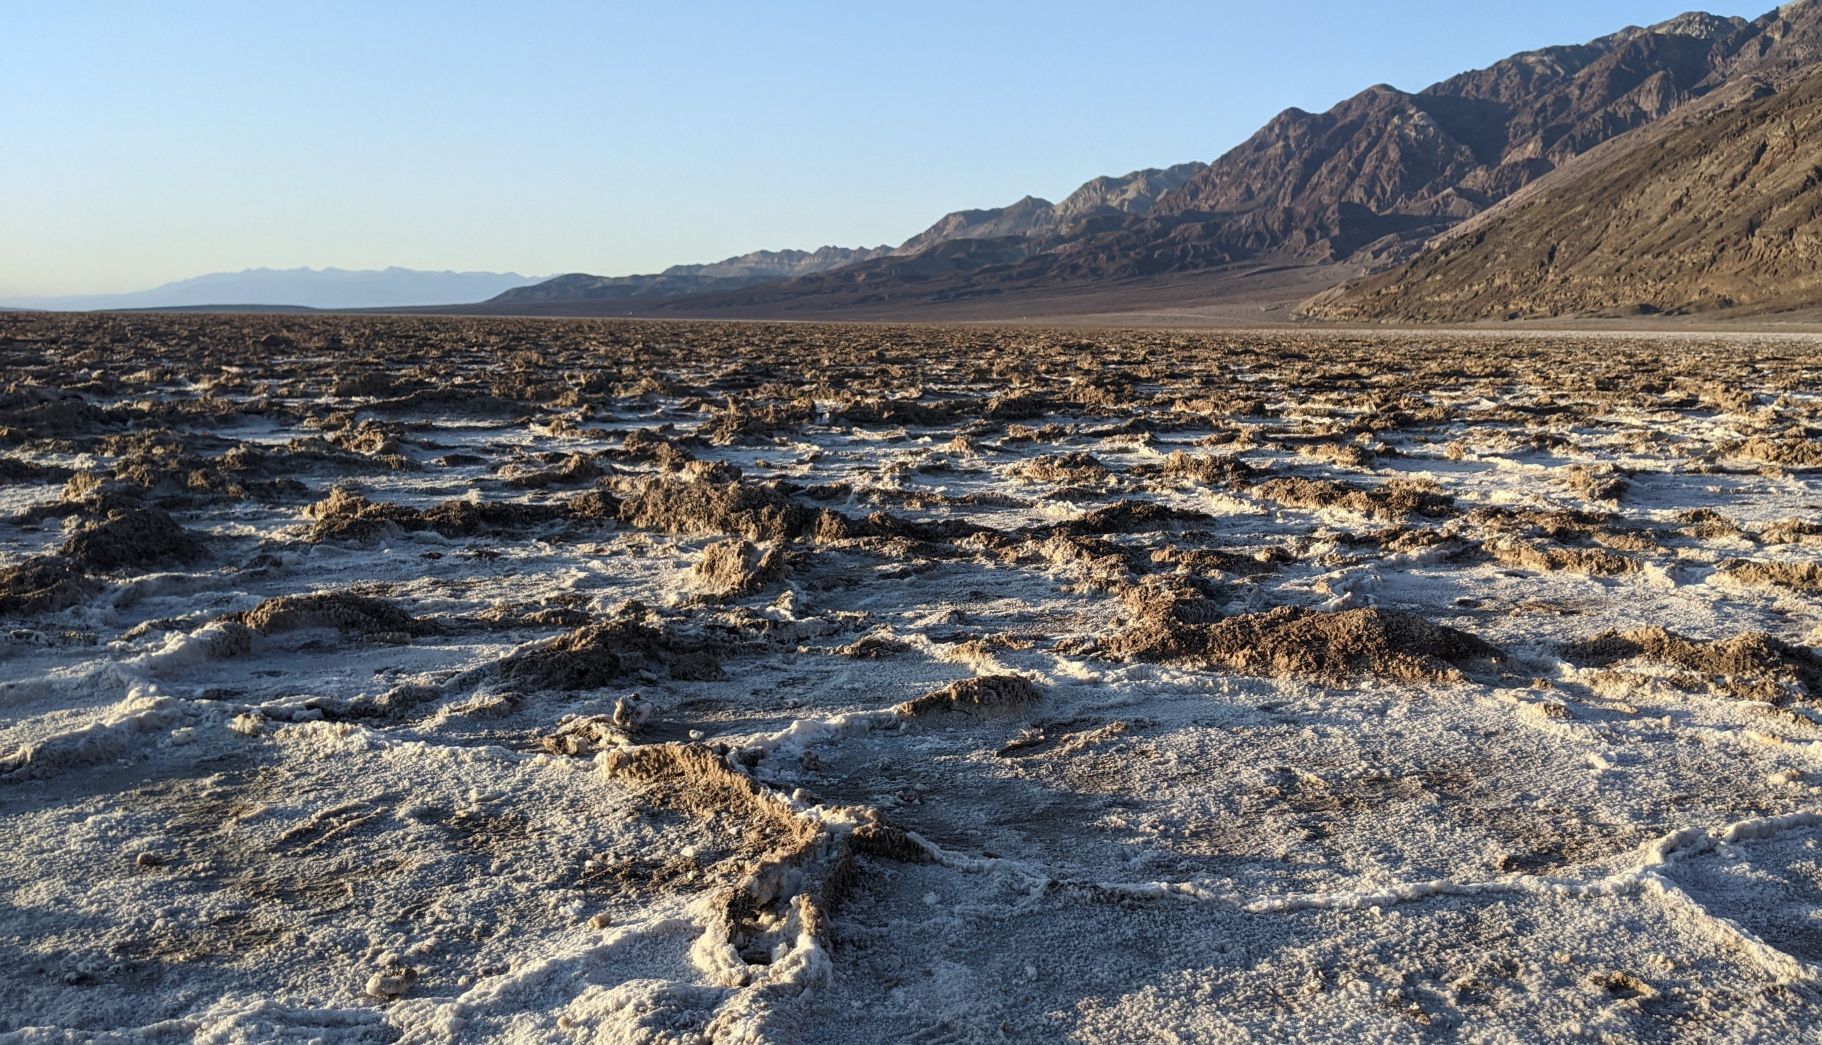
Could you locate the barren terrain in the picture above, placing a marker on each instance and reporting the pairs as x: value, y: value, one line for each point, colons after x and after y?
x: 427, y: 679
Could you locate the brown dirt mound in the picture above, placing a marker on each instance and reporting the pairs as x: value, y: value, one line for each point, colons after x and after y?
x: 735, y: 508
x: 739, y: 567
x: 646, y: 445
x: 1601, y: 483
x: 1209, y: 469
x: 1556, y: 558
x: 1168, y: 618
x: 873, y: 647
x: 983, y: 692
x: 1766, y: 663
x: 596, y: 655
x: 1130, y: 516
x: 1805, y: 577
x: 347, y: 613
x: 1397, y: 499
x: 1789, y: 452
x: 876, y: 411
x: 131, y: 537
x: 47, y: 412
x: 1790, y: 531
x: 43, y: 584
x: 348, y: 515
x: 13, y: 470
x: 783, y: 874
x: 463, y: 518
x: 1313, y: 644
x: 566, y: 471
x: 1072, y: 467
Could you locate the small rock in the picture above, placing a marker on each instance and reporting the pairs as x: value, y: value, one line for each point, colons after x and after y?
x: 391, y: 983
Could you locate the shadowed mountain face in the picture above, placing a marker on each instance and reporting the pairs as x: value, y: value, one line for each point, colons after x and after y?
x: 1717, y: 209
x: 1362, y: 185
x: 761, y: 266
x: 954, y: 243
x: 1381, y: 171
x: 1132, y: 195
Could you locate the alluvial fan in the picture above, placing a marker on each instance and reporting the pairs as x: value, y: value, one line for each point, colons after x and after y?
x: 366, y: 679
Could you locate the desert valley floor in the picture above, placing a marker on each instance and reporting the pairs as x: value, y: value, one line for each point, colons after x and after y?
x: 421, y: 679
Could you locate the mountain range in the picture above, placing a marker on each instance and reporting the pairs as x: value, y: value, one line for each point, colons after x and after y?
x: 1665, y: 168
x: 1381, y: 187
x: 1714, y: 213
x: 330, y: 288
x: 761, y: 266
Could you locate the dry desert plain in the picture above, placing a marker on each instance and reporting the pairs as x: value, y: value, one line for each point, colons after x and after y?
x: 426, y: 678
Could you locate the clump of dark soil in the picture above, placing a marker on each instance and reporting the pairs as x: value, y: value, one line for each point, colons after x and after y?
x: 980, y: 693
x: 1319, y: 645
x: 1768, y: 665
x: 43, y: 584
x: 1130, y: 516
x: 599, y: 654
x: 1790, y: 452
x: 704, y: 506
x: 1072, y: 467
x: 345, y: 612
x: 1790, y: 531
x: 1209, y: 469
x: 739, y: 567
x: 1396, y: 499
x: 1805, y: 577
x: 646, y: 445
x: 346, y: 515
x: 874, y: 647
x: 131, y: 536
x: 13, y: 470
x: 569, y: 470
x: 1559, y: 558
x: 1598, y: 483
x: 464, y: 518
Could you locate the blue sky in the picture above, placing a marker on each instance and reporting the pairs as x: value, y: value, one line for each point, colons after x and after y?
x: 153, y: 141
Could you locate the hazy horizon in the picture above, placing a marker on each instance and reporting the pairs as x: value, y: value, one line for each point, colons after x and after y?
x: 163, y: 144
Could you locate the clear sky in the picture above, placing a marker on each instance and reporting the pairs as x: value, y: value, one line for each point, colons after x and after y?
x: 149, y: 141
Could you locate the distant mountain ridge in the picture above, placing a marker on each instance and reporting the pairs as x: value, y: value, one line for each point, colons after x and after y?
x: 760, y: 266
x: 1130, y: 194
x: 1381, y: 181
x: 1363, y: 185
x: 302, y: 287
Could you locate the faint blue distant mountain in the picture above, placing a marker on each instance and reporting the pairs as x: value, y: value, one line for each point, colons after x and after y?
x: 311, y: 288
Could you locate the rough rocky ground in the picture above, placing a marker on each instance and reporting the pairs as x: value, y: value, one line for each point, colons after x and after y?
x: 425, y: 679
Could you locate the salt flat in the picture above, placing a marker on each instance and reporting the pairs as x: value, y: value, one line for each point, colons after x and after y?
x: 425, y: 679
